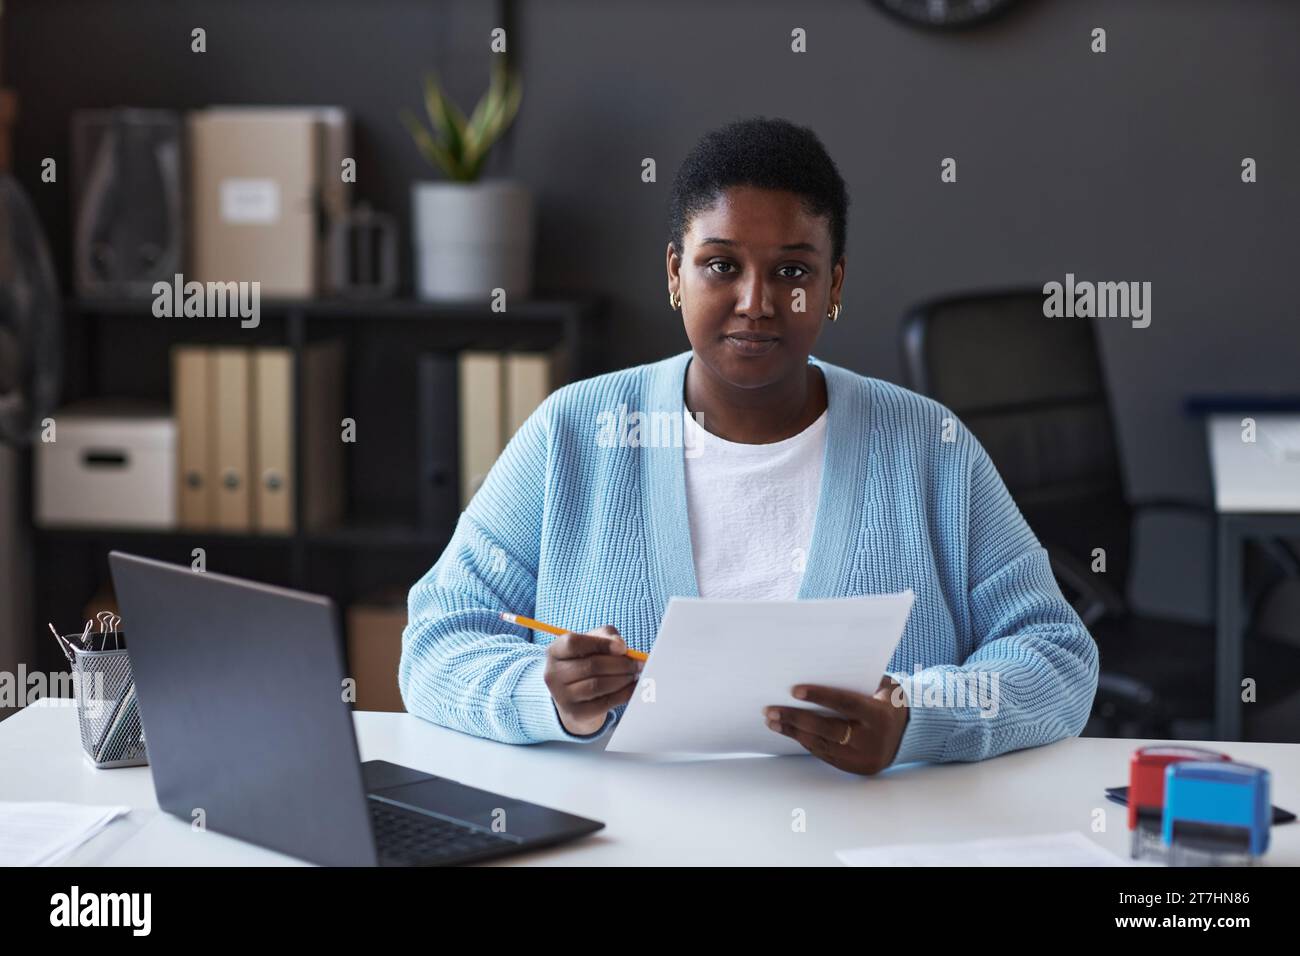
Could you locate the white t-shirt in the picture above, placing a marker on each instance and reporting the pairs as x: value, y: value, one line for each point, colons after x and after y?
x: 751, y: 510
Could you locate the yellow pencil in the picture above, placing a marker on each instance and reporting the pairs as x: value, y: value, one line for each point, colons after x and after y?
x: 522, y: 621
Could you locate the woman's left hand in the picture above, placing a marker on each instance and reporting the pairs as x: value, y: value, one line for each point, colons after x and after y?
x: 872, y: 725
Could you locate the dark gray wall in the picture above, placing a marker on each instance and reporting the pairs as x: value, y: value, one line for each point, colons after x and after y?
x: 1121, y: 166
x: 370, y: 57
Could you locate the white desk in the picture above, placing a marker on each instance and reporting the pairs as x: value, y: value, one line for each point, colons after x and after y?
x: 703, y: 811
x: 1261, y: 476
x: 1256, y: 498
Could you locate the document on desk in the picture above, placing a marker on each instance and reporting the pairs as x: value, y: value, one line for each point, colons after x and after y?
x: 717, y: 663
x: 1070, y: 848
x: 38, y: 834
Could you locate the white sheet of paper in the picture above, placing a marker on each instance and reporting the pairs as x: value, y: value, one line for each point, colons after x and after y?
x: 717, y: 663
x: 1070, y: 848
x: 38, y: 834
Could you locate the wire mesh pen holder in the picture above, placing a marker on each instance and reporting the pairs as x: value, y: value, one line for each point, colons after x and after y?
x: 107, y: 710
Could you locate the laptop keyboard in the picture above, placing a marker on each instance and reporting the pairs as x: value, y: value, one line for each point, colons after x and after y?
x: 404, y: 836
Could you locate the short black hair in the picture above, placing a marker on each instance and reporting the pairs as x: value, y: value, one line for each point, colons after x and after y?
x: 765, y: 153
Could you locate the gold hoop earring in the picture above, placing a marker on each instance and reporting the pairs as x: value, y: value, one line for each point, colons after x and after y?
x: 675, y: 300
x: 834, y: 312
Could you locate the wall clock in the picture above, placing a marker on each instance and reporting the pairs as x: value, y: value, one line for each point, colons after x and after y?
x: 945, y: 14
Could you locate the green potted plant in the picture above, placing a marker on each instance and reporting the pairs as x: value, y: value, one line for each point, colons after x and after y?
x: 471, y: 235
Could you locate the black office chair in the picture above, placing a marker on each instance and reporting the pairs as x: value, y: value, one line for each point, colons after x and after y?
x: 1031, y: 390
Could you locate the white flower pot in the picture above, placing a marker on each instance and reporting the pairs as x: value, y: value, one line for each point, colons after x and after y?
x: 471, y: 238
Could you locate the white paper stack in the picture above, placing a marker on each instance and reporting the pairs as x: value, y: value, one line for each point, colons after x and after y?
x: 717, y: 663
x: 39, y: 834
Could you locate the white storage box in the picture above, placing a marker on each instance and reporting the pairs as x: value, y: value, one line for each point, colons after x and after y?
x: 112, y: 464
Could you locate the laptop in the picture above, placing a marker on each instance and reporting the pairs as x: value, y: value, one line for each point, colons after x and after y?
x: 241, y: 693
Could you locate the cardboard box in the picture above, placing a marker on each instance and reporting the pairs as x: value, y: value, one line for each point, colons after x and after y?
x: 266, y: 186
x: 374, y: 637
x: 112, y: 465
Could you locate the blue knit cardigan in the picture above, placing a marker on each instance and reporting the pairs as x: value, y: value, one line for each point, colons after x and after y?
x: 582, y: 521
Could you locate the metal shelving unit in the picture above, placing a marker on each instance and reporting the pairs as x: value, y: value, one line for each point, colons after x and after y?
x: 118, y: 347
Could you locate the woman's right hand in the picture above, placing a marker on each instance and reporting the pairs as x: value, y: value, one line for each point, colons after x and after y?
x: 589, y: 675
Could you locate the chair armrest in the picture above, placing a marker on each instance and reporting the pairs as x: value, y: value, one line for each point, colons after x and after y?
x: 1278, y: 549
x: 1094, y: 598
x: 1172, y: 504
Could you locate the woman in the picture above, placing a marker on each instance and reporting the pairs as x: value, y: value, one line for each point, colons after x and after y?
x: 793, y: 478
